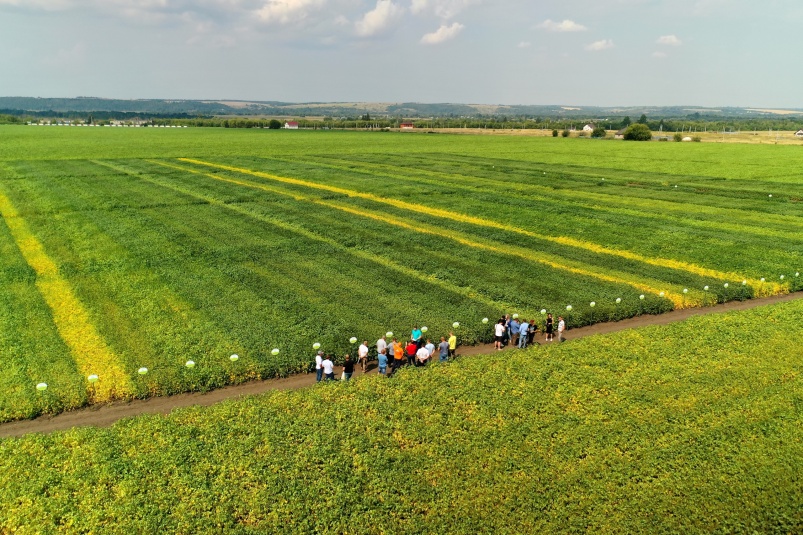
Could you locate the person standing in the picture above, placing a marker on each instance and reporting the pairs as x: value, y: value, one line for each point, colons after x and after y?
x: 348, y: 368
x: 381, y: 344
x: 328, y: 368
x: 382, y: 361
x: 514, y: 328
x: 533, y: 330
x: 412, y: 347
x: 362, y: 354
x: 422, y: 356
x: 452, y: 345
x: 392, y: 349
x: 444, y: 349
x: 506, y: 334
x: 524, y: 330
x: 318, y: 367
x: 398, y: 356
x: 499, y: 334
x: 549, y: 327
x: 417, y: 335
x: 561, y: 328
x: 430, y: 347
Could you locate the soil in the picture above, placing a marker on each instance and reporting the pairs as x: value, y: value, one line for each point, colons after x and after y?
x: 107, y: 414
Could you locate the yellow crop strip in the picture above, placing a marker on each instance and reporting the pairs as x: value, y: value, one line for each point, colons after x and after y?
x: 464, y: 218
x: 527, y: 254
x: 679, y: 300
x: 312, y: 236
x: 72, y: 321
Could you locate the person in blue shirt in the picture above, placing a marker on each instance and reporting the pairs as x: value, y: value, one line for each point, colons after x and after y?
x: 524, y: 331
x: 382, y: 359
x: 513, y: 327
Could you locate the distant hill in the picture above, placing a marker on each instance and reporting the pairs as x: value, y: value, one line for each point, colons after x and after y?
x: 162, y: 107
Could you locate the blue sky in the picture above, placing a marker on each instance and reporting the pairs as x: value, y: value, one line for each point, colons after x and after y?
x: 582, y: 52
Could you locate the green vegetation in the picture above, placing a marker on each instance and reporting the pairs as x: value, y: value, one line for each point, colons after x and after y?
x: 691, y: 428
x: 131, y: 248
x: 638, y: 132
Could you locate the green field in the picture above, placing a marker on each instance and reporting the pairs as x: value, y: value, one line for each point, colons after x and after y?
x: 132, y: 248
x: 690, y: 428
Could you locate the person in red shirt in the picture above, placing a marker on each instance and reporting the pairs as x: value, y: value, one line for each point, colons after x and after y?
x: 411, y: 348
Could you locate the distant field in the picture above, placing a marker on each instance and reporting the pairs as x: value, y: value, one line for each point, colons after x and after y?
x: 691, y: 428
x: 132, y: 248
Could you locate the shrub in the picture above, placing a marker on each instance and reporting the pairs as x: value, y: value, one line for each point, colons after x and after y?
x: 678, y: 137
x: 581, y: 133
x: 554, y: 133
x: 599, y: 132
x: 274, y: 124
x: 638, y: 132
x: 697, y: 139
x: 565, y: 133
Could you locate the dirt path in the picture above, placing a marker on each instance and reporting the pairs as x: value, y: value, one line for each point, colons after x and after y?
x: 106, y: 415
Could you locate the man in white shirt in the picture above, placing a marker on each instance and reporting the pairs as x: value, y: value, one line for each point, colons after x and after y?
x: 362, y: 353
x: 381, y: 345
x: 421, y: 356
x: 318, y: 367
x: 328, y: 369
x: 561, y: 328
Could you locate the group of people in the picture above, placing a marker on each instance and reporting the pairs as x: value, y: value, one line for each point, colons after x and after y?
x: 419, y: 351
x: 522, y: 333
x: 390, y: 355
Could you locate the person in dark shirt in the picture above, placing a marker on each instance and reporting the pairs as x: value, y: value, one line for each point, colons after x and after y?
x: 348, y: 368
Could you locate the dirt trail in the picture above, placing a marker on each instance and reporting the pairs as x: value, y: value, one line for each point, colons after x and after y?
x: 106, y: 415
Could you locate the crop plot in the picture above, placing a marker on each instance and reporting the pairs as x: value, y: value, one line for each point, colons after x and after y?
x: 119, y: 264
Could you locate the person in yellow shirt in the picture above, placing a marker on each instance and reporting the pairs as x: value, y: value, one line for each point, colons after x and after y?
x: 452, y: 345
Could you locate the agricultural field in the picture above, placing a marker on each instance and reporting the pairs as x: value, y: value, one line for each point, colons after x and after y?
x: 688, y: 428
x: 129, y: 252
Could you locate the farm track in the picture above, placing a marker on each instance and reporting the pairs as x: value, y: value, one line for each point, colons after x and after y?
x: 104, y: 415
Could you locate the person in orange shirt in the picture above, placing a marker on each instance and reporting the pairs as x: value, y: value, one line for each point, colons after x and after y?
x: 398, y: 356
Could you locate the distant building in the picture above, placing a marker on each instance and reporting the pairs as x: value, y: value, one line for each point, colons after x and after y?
x: 291, y: 125
x: 407, y: 126
x: 799, y: 133
x: 589, y: 127
x: 620, y: 134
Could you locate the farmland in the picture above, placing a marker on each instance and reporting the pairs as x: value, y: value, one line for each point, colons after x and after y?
x: 688, y: 428
x: 126, y: 249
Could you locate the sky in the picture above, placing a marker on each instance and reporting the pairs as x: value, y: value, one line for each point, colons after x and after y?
x: 711, y: 53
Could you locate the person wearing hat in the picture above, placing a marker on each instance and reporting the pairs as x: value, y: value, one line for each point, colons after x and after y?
x: 318, y: 367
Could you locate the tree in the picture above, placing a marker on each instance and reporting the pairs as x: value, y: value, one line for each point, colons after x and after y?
x: 565, y: 133
x: 274, y: 124
x: 678, y: 137
x: 626, y: 121
x: 642, y: 119
x: 638, y: 132
x: 599, y: 131
x: 554, y: 133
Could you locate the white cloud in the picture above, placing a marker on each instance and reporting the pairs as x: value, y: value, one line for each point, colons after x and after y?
x: 670, y: 40
x: 445, y: 9
x: 600, y: 45
x: 444, y: 33
x: 524, y: 44
x: 564, y: 26
x: 379, y: 18
x: 287, y: 11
